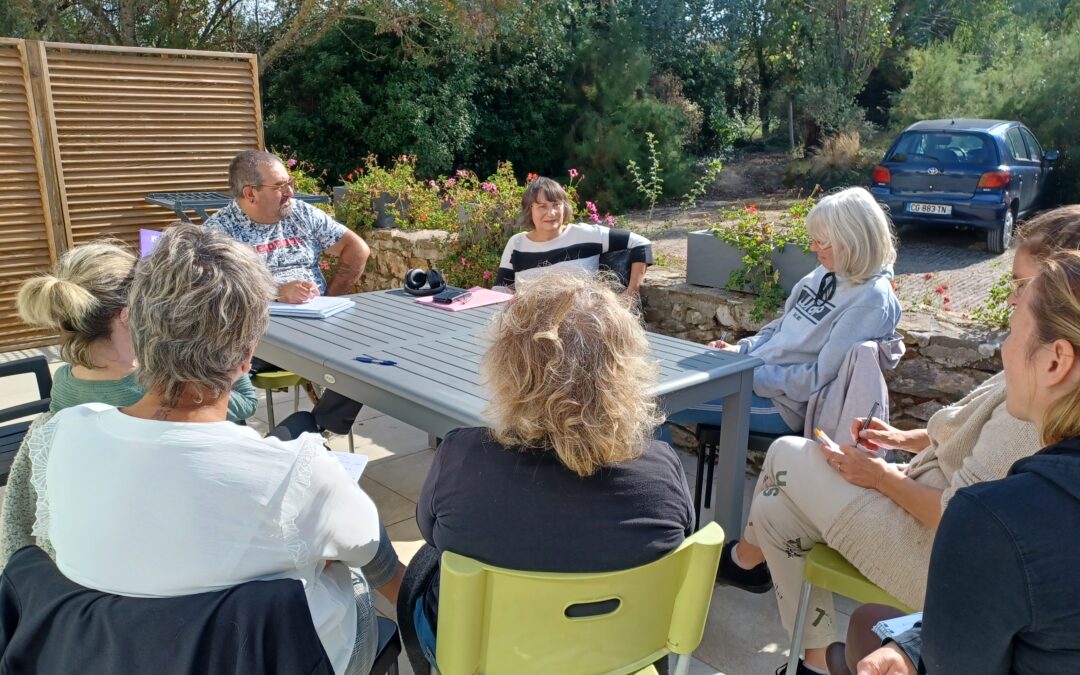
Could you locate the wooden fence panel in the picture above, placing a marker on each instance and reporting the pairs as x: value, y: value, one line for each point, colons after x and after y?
x: 87, y: 131
x: 133, y: 121
x: 26, y: 237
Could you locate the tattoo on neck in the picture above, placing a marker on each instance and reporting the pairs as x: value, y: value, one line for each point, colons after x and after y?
x: 162, y: 413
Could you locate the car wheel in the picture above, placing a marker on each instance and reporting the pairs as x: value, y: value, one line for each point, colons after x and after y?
x: 999, y: 238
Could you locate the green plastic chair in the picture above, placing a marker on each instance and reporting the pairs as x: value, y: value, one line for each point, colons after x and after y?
x: 825, y: 568
x: 499, y: 621
x: 283, y: 379
x: 278, y: 379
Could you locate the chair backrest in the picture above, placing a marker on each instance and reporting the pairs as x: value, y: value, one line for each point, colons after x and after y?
x: 494, y: 620
x: 50, y: 624
x: 617, y: 262
x: 11, y: 435
x: 39, y: 367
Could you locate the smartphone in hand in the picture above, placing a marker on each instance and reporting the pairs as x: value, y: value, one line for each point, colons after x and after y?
x: 827, y: 442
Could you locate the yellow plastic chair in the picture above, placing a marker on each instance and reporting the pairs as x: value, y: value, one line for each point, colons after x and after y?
x: 825, y: 568
x: 283, y: 379
x: 499, y: 621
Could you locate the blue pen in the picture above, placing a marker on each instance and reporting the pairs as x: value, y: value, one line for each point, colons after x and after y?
x: 378, y: 362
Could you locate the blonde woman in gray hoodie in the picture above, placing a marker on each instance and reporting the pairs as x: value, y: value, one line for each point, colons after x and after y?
x: 848, y: 299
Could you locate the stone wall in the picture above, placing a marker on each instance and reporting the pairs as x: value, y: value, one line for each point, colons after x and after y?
x: 394, y: 252
x: 944, y: 361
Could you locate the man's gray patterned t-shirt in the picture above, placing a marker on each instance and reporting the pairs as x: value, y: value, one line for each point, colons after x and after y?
x: 290, y: 247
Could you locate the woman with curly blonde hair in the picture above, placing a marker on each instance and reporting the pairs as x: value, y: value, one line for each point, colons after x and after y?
x: 567, y: 479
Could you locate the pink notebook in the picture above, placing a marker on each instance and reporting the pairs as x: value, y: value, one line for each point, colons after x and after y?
x: 480, y: 297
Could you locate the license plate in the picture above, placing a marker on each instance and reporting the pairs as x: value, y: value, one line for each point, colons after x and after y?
x: 936, y: 209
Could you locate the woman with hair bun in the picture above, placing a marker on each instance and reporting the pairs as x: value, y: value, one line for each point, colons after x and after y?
x: 84, y: 299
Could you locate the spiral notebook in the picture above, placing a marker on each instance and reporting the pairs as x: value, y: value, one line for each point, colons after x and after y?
x: 320, y: 307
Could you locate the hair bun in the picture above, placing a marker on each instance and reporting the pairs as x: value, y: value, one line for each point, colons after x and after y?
x: 53, y: 302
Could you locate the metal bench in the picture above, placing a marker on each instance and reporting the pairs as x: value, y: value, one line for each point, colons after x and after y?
x: 11, y: 435
x: 199, y: 202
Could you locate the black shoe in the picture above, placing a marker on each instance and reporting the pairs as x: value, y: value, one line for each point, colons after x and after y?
x: 756, y: 580
x: 801, y: 670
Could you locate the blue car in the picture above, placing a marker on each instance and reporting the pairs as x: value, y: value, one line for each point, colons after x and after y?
x: 982, y: 174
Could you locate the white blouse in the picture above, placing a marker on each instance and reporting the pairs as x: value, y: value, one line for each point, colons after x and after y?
x: 147, y: 508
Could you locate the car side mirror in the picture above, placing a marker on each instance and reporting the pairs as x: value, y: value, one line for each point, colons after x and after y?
x: 1051, y: 156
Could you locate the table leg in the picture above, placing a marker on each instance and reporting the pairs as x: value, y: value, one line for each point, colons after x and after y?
x: 731, y: 457
x: 179, y: 211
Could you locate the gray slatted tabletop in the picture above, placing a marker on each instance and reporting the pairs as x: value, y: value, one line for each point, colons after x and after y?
x: 435, y: 384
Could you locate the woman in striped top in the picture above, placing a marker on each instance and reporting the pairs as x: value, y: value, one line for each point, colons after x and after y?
x: 553, y: 243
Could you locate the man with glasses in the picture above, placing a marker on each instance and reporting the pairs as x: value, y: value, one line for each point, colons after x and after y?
x: 290, y: 236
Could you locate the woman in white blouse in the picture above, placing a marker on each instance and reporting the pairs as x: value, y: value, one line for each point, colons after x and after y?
x: 166, y: 498
x: 550, y: 242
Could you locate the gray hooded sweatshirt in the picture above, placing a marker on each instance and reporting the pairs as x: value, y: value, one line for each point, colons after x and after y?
x: 804, y: 348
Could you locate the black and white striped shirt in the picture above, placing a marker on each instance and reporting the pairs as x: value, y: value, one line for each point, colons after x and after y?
x: 577, y: 248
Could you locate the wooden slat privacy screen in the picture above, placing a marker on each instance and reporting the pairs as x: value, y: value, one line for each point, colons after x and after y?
x: 26, y: 238
x: 113, y: 124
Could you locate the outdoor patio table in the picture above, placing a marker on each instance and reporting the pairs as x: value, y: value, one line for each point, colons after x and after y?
x: 434, y: 383
x: 199, y: 202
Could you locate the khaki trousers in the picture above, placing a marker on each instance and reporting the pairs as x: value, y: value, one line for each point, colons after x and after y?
x: 797, y: 498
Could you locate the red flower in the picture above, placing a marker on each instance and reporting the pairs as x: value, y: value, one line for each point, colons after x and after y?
x: 939, y: 290
x: 751, y: 208
x: 928, y: 276
x: 350, y: 176
x: 946, y: 299
x: 531, y: 177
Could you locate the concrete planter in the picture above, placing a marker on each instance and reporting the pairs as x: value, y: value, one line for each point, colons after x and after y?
x: 794, y: 263
x: 710, y: 261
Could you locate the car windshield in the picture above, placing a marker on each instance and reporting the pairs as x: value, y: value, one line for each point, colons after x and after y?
x: 936, y: 147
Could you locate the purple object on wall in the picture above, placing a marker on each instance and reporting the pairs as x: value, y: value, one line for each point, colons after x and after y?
x: 147, y: 241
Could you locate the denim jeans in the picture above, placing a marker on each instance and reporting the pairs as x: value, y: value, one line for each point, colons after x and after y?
x: 372, y: 575
x: 424, y: 634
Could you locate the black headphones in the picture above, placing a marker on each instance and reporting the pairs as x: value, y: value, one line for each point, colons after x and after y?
x: 421, y: 283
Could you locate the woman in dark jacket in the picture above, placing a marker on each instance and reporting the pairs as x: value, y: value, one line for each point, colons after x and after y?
x: 567, y: 478
x: 1003, y: 595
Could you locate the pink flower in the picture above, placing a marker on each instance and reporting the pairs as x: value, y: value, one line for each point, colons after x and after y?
x: 350, y: 176
x: 946, y: 299
x: 590, y: 207
x: 433, y: 185
x: 489, y: 187
x: 531, y: 177
x: 487, y: 276
x: 928, y: 276
x: 291, y: 163
x: 573, y: 173
x: 464, y: 261
x: 450, y: 181
x: 461, y: 173
x: 939, y: 290
x: 610, y: 220
x: 595, y: 217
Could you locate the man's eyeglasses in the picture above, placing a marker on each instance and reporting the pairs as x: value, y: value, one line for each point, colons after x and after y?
x: 278, y: 187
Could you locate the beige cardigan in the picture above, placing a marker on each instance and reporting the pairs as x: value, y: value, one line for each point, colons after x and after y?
x: 972, y: 441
